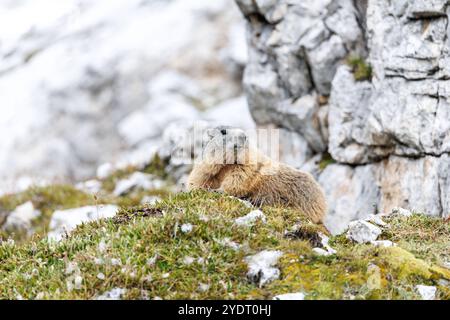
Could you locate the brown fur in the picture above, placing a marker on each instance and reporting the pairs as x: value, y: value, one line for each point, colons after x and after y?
x: 262, y: 182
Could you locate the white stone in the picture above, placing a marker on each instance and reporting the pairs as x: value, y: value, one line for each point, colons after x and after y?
x: 89, y: 186
x: 376, y: 219
x: 383, y: 243
x: 21, y: 218
x: 362, y: 231
x: 401, y: 211
x: 325, y: 243
x: 137, y: 180
x: 78, y: 281
x: 261, y: 268
x: 246, y: 203
x: 63, y: 221
x: 290, y: 296
x: 113, y: 294
x: 426, y: 292
x: 105, y: 170
x: 321, y: 252
x: 251, y: 218
x: 151, y: 200
x: 203, y: 287
x: 186, y: 228
x: 116, y: 262
x: 101, y: 276
x: 188, y: 260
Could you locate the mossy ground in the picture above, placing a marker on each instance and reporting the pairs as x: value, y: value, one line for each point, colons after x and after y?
x: 59, y: 197
x: 362, y: 71
x: 156, y: 166
x: 144, y: 251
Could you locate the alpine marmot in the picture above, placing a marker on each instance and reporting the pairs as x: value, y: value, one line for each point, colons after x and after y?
x: 230, y: 165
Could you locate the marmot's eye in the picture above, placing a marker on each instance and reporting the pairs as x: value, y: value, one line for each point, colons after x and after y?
x: 223, y: 132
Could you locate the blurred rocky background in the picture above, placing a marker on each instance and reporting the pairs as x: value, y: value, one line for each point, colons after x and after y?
x: 360, y: 91
x: 84, y: 83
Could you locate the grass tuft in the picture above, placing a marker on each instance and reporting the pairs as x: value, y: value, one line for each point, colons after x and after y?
x: 362, y: 71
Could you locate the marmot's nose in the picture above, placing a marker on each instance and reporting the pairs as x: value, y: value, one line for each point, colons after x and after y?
x: 223, y: 131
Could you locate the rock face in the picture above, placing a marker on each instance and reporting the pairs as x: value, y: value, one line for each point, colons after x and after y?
x: 389, y: 134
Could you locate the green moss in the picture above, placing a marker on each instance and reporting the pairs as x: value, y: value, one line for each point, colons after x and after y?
x: 362, y: 71
x: 326, y: 161
x: 426, y: 237
x: 150, y: 250
x: 60, y: 197
x: 157, y: 166
x: 404, y: 263
x: 320, y: 277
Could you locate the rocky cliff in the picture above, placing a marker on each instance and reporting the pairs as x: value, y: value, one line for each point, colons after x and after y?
x: 364, y: 88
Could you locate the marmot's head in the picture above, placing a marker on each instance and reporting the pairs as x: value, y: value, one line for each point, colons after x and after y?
x: 227, y: 145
